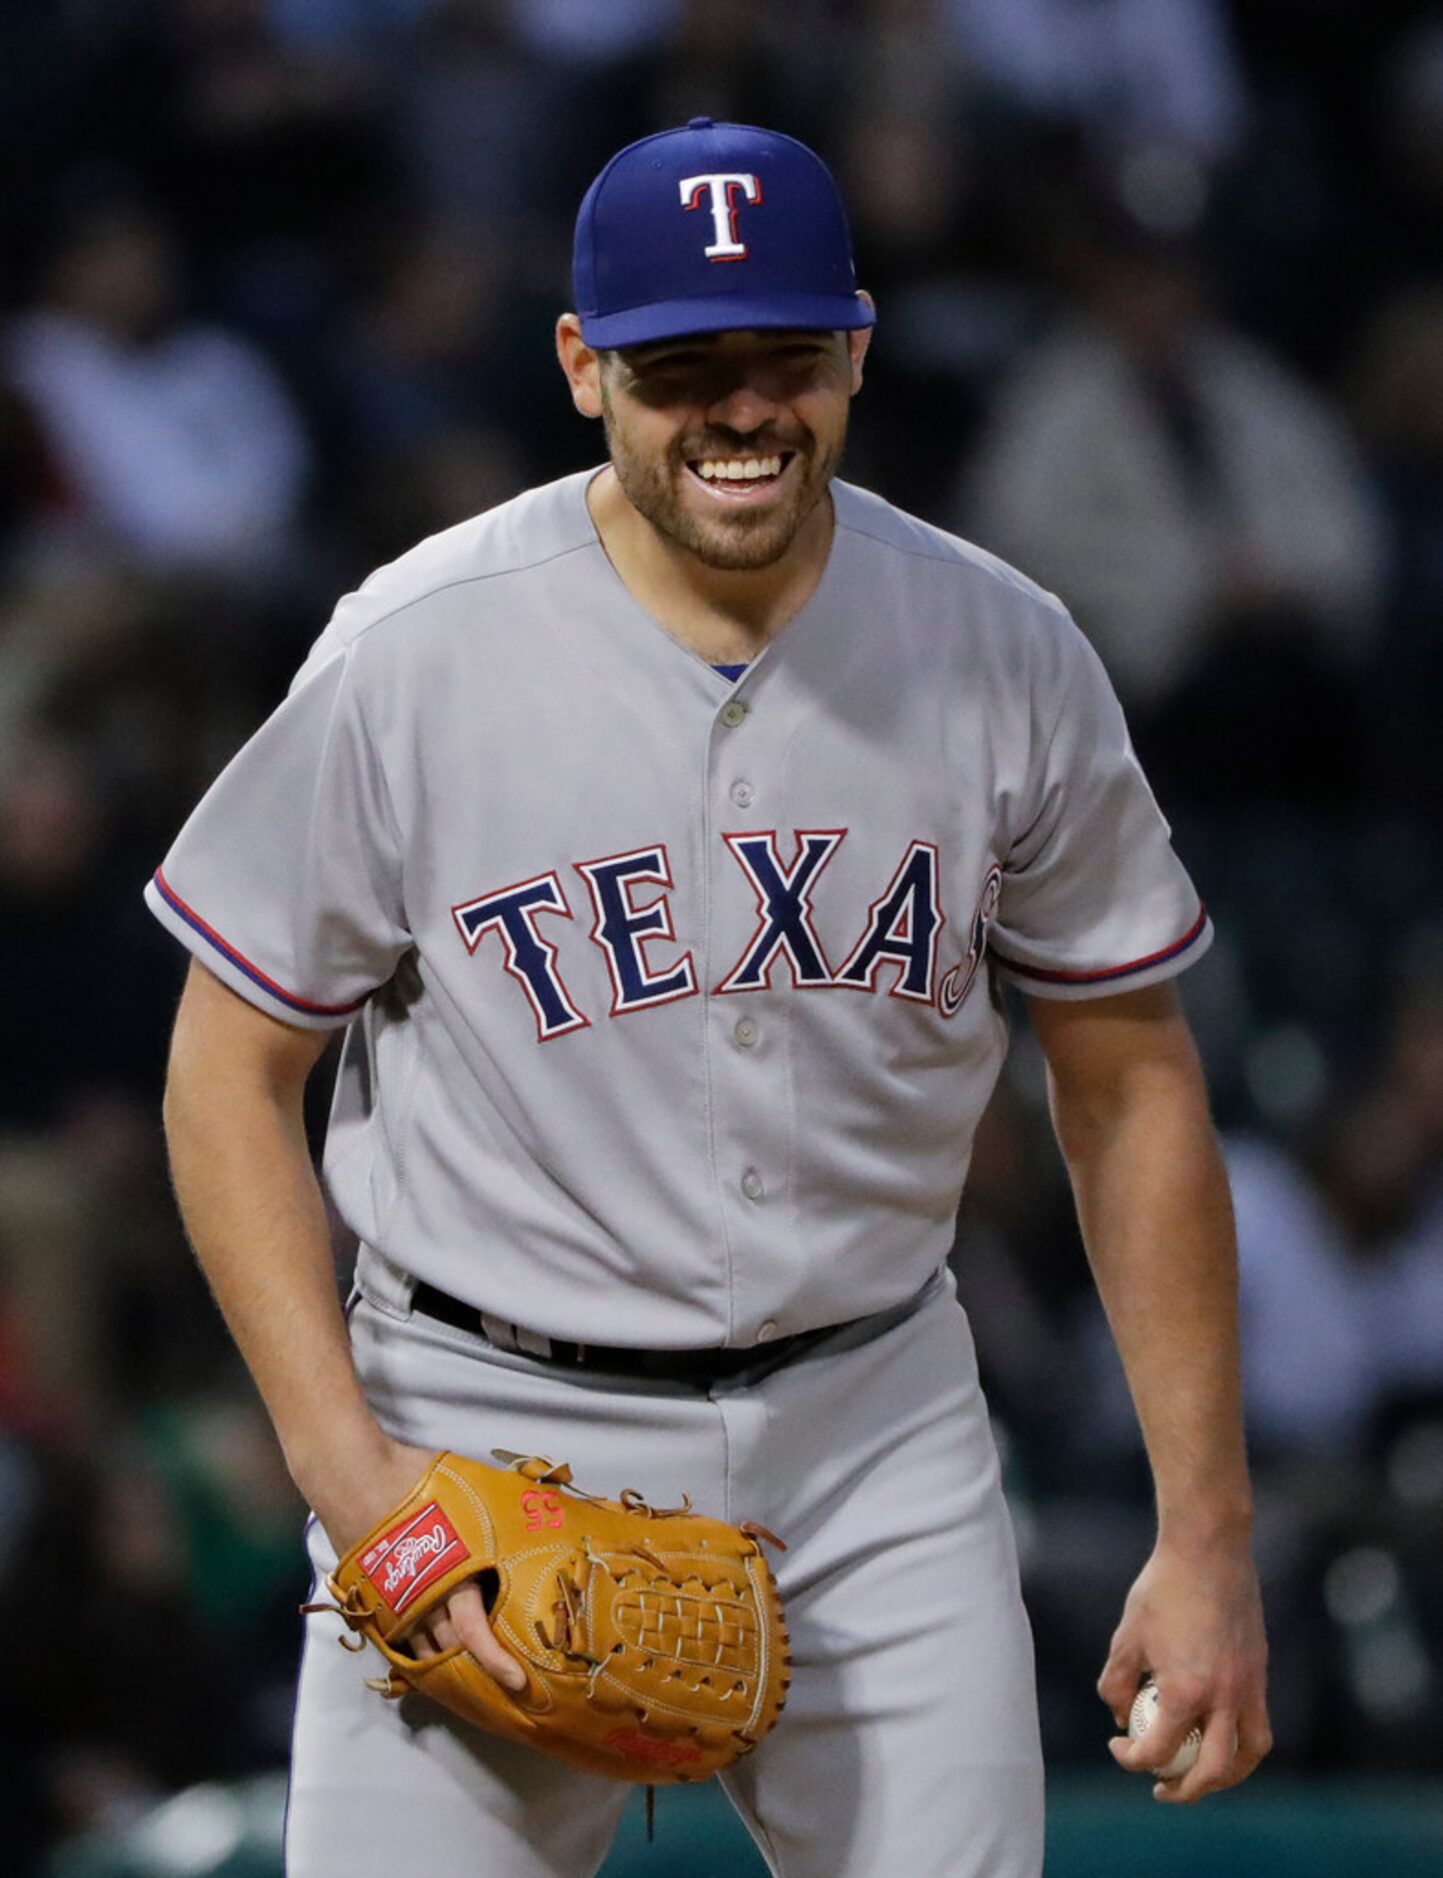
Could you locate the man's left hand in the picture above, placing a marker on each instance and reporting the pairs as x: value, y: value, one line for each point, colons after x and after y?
x: 1194, y: 1618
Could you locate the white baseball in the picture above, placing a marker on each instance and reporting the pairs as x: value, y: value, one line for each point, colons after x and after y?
x: 1144, y: 1708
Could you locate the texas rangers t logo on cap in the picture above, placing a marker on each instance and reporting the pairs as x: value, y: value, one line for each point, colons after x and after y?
x: 726, y: 190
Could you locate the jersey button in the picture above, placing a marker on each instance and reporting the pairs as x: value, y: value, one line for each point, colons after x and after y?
x: 766, y: 1331
x: 733, y: 712
x: 752, y: 1184
x: 743, y: 794
x: 745, y: 1032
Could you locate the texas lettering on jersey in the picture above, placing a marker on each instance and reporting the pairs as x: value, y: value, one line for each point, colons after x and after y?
x: 900, y: 934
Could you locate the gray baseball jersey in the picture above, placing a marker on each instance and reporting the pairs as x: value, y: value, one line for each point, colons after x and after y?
x: 670, y: 1022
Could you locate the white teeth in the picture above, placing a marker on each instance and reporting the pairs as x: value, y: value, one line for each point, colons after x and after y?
x: 738, y: 469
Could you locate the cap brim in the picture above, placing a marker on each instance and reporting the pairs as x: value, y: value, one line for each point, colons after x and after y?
x: 717, y: 313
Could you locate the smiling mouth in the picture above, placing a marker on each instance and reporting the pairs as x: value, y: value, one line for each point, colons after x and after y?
x: 740, y: 478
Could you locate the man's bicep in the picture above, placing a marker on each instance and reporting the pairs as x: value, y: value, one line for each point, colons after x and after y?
x: 220, y: 1036
x: 1099, y: 1048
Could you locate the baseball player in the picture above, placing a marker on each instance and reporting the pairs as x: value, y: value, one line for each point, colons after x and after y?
x: 659, y: 837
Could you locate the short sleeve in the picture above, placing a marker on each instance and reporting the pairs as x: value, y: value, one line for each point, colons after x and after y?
x: 1093, y: 898
x: 286, y: 880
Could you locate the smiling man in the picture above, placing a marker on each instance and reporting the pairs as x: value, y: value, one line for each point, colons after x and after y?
x: 663, y: 837
x: 731, y: 495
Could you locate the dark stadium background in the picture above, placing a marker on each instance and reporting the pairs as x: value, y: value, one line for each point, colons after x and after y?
x: 1161, y: 295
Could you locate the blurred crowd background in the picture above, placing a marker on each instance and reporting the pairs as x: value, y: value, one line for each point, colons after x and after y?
x: 1161, y: 319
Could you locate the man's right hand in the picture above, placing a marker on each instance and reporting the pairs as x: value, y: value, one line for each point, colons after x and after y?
x: 348, y: 1516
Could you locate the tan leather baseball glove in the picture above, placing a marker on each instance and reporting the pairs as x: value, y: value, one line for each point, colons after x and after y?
x: 653, y: 1639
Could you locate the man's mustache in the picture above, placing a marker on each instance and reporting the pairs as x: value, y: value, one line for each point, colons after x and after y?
x: 693, y: 451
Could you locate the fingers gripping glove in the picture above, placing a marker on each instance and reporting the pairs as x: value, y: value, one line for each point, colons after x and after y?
x: 653, y: 1640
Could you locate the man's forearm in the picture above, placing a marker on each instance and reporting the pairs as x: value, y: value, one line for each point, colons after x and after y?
x: 1156, y: 1216
x: 254, y: 1213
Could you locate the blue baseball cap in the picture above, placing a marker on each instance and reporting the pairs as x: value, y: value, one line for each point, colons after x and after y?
x: 713, y: 227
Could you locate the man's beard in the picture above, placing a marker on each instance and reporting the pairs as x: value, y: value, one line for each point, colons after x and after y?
x: 737, y: 543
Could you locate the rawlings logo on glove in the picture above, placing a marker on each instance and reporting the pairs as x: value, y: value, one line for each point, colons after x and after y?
x: 397, y: 1563
x: 653, y: 1640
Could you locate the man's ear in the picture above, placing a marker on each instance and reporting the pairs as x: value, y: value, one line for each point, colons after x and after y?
x: 859, y: 340
x: 581, y: 364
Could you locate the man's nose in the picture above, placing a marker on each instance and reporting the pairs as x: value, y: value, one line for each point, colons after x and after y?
x: 742, y: 408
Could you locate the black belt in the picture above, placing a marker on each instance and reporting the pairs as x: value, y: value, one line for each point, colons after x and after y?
x: 700, y: 1366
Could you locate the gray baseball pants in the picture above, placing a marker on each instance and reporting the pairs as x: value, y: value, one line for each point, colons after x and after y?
x: 909, y: 1743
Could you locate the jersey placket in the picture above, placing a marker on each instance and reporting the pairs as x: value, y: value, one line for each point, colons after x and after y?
x: 747, y: 1036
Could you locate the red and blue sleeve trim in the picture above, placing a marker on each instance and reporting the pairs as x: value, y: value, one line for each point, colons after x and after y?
x: 241, y: 962
x: 1189, y: 938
